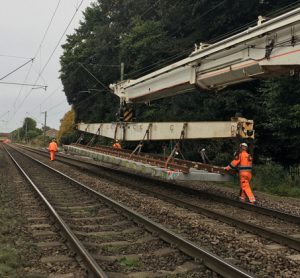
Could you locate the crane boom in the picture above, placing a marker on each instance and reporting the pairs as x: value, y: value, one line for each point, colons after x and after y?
x: 269, y: 48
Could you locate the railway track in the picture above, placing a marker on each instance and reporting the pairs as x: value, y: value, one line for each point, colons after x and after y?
x: 156, y: 160
x: 42, y: 251
x: 115, y: 174
x: 272, y: 225
x: 112, y: 240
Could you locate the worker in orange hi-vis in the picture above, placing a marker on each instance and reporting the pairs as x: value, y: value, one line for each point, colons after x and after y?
x: 52, y: 149
x: 117, y: 145
x: 243, y: 163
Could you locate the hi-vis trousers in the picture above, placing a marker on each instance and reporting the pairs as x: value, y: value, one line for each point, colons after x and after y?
x: 245, y: 178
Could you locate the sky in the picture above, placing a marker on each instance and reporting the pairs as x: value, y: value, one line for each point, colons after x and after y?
x: 34, y: 29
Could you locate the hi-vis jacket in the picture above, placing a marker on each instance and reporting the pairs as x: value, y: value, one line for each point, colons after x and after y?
x: 242, y: 162
x: 117, y: 146
x: 52, y: 147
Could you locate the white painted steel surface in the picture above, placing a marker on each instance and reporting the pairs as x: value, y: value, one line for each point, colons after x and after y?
x: 168, y: 130
x: 236, y: 59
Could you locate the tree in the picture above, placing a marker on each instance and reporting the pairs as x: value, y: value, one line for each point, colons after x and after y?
x: 67, y: 124
x: 281, y: 127
x: 148, y: 34
x: 28, y: 131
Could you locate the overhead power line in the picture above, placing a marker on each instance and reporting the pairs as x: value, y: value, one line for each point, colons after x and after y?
x: 34, y: 118
x: 176, y: 56
x: 24, y: 84
x: 104, y: 86
x: 50, y: 95
x: 7, y: 112
x: 51, y: 55
x: 31, y: 60
x: 37, y: 51
x: 150, y: 8
x: 12, y: 56
x: 56, y: 105
x: 63, y: 34
x: 150, y: 67
x: 48, y: 27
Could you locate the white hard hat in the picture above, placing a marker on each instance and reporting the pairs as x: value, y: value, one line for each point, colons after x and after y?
x: 244, y: 145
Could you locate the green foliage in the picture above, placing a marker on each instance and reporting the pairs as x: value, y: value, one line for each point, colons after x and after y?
x: 10, y: 258
x: 147, y: 35
x: 144, y: 43
x: 69, y: 138
x: 29, y: 124
x: 130, y: 263
x: 27, y: 132
x: 273, y: 178
x: 33, y: 133
x: 281, y: 103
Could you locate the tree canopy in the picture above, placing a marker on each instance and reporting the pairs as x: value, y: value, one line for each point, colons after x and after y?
x: 149, y: 34
x: 27, y: 131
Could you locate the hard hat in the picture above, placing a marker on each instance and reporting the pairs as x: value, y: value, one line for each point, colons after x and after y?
x: 244, y: 145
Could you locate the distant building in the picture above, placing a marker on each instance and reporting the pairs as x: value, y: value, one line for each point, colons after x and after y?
x: 4, y: 136
x: 52, y: 133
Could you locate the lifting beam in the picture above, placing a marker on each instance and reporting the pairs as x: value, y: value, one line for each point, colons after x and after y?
x: 237, y: 127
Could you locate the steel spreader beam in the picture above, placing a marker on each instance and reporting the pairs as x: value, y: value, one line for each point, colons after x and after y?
x: 237, y: 127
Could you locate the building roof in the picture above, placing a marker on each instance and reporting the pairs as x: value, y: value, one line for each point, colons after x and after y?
x: 52, y: 132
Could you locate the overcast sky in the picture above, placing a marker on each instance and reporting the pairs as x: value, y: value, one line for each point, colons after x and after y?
x: 23, y: 24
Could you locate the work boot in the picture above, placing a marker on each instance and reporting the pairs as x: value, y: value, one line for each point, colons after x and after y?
x: 242, y: 199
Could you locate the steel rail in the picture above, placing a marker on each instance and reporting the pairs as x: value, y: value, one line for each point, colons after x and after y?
x: 252, y: 228
x: 212, y: 261
x: 221, y: 199
x: 264, y: 232
x: 90, y: 263
x: 266, y: 211
x: 156, y: 161
x: 157, y: 182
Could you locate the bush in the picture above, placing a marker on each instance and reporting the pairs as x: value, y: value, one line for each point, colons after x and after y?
x: 273, y: 178
x: 69, y: 138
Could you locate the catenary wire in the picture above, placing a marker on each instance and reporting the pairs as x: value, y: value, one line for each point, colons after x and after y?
x: 52, y: 53
x: 50, y: 95
x: 168, y: 59
x: 37, y: 51
x: 13, y: 56
x: 163, y: 62
x: 8, y: 74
